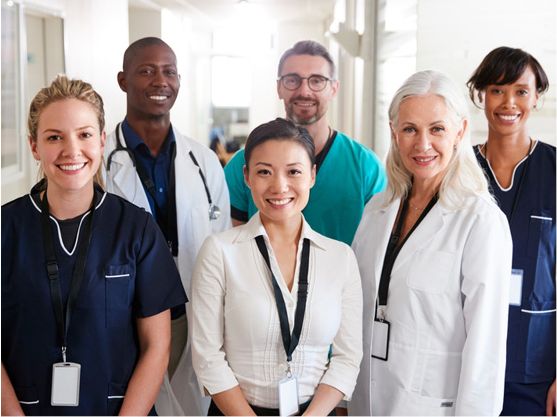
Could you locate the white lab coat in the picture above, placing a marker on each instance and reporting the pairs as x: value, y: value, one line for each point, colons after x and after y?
x: 447, y: 305
x: 182, y: 395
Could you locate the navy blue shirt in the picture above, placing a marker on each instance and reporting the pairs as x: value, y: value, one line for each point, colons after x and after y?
x: 129, y: 274
x: 531, y: 331
x: 157, y: 168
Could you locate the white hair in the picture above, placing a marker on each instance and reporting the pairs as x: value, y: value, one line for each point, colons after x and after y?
x: 464, y: 176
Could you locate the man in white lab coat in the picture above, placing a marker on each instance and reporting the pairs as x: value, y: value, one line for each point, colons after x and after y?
x: 175, y: 178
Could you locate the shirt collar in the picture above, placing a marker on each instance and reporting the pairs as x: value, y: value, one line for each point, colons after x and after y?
x: 254, y: 228
x: 134, y: 141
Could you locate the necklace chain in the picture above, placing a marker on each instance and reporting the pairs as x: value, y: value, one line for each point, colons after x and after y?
x: 412, y: 206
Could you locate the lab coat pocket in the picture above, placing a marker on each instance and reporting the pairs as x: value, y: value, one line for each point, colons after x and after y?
x: 430, y: 271
x: 119, y: 289
x: 115, y: 398
x: 441, y: 374
x: 420, y: 405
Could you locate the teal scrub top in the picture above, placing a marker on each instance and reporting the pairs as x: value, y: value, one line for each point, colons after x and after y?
x: 348, y: 177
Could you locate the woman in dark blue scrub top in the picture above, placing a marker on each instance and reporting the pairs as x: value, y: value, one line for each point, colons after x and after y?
x: 521, y: 169
x: 87, y: 278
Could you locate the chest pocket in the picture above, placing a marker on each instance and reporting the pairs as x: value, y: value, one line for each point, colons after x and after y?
x: 430, y: 271
x: 539, y: 235
x: 119, y: 286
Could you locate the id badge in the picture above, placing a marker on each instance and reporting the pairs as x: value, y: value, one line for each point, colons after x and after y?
x: 380, y: 339
x: 288, y: 396
x: 515, y: 287
x: 65, y: 384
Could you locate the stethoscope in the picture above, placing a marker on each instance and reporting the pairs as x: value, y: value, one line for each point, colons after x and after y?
x: 214, y: 210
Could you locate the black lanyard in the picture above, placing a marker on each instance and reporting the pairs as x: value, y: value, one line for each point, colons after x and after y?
x: 167, y: 219
x: 289, y: 342
x: 393, y: 248
x: 516, y: 197
x: 63, y: 321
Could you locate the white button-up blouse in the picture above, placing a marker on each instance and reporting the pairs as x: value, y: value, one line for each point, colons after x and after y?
x: 236, y: 336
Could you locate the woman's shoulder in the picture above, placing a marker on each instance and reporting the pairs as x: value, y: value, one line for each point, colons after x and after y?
x: 482, y: 207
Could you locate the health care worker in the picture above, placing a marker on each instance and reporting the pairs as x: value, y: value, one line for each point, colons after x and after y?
x: 173, y: 177
x: 434, y: 253
x: 87, y: 279
x: 272, y: 296
x: 521, y: 172
x: 348, y: 173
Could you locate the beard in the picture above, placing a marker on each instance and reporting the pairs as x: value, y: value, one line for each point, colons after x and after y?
x: 302, y: 120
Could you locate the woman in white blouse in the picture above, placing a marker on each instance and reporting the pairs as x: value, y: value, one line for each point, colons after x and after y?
x: 256, y: 349
x: 434, y: 252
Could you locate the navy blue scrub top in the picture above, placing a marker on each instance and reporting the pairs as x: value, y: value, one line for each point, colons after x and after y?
x: 129, y: 274
x: 531, y: 334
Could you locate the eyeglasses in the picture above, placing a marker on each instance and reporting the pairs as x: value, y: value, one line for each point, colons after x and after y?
x: 294, y: 81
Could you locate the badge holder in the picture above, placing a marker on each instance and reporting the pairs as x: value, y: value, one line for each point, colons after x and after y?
x: 380, y: 337
x: 288, y: 394
x: 65, y: 383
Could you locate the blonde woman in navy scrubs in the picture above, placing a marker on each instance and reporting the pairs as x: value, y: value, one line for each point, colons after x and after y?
x: 87, y: 278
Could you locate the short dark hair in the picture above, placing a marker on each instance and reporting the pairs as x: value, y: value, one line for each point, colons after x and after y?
x: 308, y: 48
x: 505, y: 65
x: 140, y: 44
x: 279, y: 129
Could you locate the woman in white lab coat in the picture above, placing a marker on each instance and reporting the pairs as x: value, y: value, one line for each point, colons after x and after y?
x: 434, y: 253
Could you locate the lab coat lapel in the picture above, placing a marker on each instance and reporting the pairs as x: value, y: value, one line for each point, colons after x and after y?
x: 422, y: 235
x: 384, y: 230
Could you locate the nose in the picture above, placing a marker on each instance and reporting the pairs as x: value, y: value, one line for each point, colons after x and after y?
x: 160, y: 78
x: 71, y: 147
x: 422, y: 142
x: 279, y: 184
x: 304, y: 89
x: 509, y: 100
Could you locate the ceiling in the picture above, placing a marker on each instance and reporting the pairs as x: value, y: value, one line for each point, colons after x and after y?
x: 220, y: 10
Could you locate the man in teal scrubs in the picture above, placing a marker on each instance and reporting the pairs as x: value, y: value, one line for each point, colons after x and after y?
x: 348, y: 173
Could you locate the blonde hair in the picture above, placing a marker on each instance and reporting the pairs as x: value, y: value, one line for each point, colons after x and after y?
x: 464, y: 176
x: 62, y: 88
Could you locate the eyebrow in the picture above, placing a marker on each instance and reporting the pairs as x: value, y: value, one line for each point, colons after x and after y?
x: 60, y: 131
x: 267, y: 164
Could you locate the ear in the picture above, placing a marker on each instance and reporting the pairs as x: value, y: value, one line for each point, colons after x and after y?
x: 462, y: 130
x: 246, y: 176
x: 313, y: 175
x: 34, y: 150
x: 121, y: 77
x: 335, y: 84
x: 103, y: 140
x: 279, y: 90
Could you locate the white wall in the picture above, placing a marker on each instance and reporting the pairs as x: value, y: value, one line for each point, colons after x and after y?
x: 454, y: 36
x: 96, y: 38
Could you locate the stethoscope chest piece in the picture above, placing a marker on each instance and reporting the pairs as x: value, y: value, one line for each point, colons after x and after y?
x: 214, y: 212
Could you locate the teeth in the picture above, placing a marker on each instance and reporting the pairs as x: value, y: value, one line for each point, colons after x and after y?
x: 427, y: 159
x: 280, y: 202
x: 509, y: 117
x: 158, y: 98
x: 303, y: 103
x: 72, y: 167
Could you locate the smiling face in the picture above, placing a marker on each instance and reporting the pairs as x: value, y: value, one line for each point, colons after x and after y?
x: 151, y: 82
x: 508, y: 106
x: 280, y: 176
x: 426, y: 133
x: 69, y: 146
x: 304, y: 106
